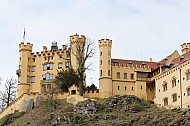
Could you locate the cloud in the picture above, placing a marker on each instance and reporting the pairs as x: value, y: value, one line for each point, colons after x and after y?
x: 153, y: 28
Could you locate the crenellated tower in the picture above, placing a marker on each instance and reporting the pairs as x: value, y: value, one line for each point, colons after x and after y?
x: 77, y: 43
x: 105, y: 81
x: 23, y: 71
x: 185, y: 48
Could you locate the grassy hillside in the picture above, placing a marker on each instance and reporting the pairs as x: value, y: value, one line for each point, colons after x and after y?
x: 116, y: 110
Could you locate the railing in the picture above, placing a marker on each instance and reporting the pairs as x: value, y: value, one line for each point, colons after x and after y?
x: 46, y: 82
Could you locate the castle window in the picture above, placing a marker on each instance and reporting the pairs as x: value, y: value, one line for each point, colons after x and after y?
x: 125, y: 75
x: 141, y: 87
x: 132, y: 76
x: 100, y: 72
x: 108, y: 62
x: 174, y: 97
x: 67, y: 65
x: 188, y: 74
x: 48, y: 66
x: 47, y: 76
x: 28, y: 68
x: 118, y: 87
x: 100, y: 53
x: 52, y: 57
x: 32, y: 79
x: 28, y: 79
x: 125, y: 88
x: 33, y: 68
x: 165, y: 86
x: 109, y: 73
x: 132, y: 88
x: 118, y: 75
x: 165, y: 101
x: 100, y: 62
x: 188, y: 91
x: 173, y: 82
x: 60, y: 65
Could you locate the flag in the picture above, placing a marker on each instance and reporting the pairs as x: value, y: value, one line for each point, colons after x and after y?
x: 24, y: 36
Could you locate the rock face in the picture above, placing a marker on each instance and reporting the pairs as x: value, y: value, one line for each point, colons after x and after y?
x: 27, y: 105
x: 39, y: 100
x: 87, y: 108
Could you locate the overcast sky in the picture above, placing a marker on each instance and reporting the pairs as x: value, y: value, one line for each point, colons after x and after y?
x: 140, y: 29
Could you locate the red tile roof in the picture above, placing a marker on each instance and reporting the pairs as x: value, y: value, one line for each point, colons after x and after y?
x: 181, y: 59
x: 135, y: 63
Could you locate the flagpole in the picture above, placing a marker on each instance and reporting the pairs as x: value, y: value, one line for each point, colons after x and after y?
x: 24, y: 36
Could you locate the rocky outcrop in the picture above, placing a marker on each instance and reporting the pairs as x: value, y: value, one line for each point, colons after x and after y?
x: 27, y: 105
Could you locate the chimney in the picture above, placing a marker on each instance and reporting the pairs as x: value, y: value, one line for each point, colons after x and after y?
x: 44, y: 48
x: 64, y: 47
x: 150, y: 59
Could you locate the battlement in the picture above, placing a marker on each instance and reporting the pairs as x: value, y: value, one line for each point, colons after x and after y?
x: 105, y: 42
x: 77, y: 38
x: 185, y: 47
x: 27, y: 47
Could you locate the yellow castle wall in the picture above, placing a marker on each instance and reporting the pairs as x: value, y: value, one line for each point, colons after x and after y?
x: 167, y: 77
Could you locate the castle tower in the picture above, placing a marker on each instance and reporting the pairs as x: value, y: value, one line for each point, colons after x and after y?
x: 105, y: 81
x: 77, y: 44
x: 185, y: 48
x: 23, y: 71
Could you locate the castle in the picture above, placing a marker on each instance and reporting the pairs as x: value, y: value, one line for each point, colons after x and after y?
x: 166, y: 82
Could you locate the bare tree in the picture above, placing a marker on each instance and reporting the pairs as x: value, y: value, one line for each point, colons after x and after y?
x: 9, y: 94
x: 84, y: 51
x: 2, y: 100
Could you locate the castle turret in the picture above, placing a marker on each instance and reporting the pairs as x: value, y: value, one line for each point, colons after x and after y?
x: 185, y: 48
x: 76, y: 43
x: 105, y: 81
x: 24, y: 68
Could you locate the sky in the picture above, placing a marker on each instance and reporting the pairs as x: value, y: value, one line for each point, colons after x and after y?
x: 139, y: 29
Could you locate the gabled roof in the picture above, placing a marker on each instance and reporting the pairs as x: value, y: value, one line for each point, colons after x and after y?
x: 170, y: 58
x: 135, y: 63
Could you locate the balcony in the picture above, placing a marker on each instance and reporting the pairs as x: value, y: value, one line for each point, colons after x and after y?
x: 47, y: 86
x: 42, y: 82
x: 144, y: 79
x: 18, y: 72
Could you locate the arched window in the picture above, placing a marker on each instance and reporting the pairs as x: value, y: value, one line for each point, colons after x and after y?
x: 165, y: 101
x: 165, y: 84
x: 174, y: 97
x: 173, y: 81
x: 187, y: 74
x: 47, y: 76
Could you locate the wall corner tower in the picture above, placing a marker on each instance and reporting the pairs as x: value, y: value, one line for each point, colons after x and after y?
x: 105, y: 80
x: 77, y: 42
x: 24, y: 66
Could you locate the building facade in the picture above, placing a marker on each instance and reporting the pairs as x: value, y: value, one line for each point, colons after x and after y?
x: 167, y: 82
x: 38, y: 70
